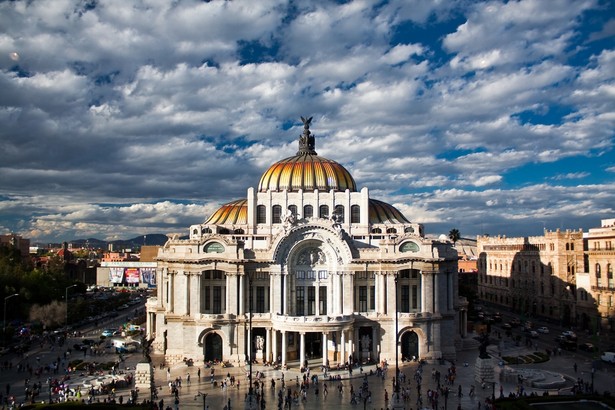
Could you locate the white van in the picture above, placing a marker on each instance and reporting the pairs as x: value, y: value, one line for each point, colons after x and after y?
x: 608, y: 357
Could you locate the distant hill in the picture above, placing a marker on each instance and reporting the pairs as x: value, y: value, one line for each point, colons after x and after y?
x: 133, y: 243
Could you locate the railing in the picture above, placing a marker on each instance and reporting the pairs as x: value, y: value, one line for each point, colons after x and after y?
x: 312, y: 319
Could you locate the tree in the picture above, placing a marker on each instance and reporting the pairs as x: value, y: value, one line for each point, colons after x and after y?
x: 454, y: 235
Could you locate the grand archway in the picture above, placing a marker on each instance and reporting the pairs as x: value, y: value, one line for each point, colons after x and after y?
x: 409, y: 346
x: 213, y: 347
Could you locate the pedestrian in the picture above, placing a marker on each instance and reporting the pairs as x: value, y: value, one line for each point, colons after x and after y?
x: 198, y: 374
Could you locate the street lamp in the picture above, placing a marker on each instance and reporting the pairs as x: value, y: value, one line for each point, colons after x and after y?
x: 66, y: 298
x: 204, y: 395
x: 396, y: 390
x: 4, y: 321
x: 251, y: 402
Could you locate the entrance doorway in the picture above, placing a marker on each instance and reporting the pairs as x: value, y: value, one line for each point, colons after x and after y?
x: 213, y: 347
x: 409, y: 346
x: 313, y: 345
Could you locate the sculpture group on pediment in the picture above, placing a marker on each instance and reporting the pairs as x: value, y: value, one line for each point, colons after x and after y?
x: 312, y: 256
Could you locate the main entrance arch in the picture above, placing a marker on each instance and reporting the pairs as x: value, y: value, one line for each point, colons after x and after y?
x: 409, y: 345
x: 213, y: 347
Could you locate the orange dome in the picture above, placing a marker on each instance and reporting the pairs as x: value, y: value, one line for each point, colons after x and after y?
x: 233, y: 213
x: 381, y: 212
x: 306, y: 170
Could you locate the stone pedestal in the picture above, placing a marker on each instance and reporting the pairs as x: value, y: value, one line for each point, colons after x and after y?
x: 484, y: 370
x: 143, y: 377
x: 259, y: 356
x: 365, y: 356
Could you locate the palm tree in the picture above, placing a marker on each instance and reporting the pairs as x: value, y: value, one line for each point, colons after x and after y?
x: 454, y: 235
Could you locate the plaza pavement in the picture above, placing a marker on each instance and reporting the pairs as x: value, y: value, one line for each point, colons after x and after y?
x: 217, y: 397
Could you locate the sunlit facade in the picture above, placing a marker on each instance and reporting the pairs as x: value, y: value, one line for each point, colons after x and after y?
x: 318, y: 263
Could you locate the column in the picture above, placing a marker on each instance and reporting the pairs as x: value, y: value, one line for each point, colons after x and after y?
x: 284, y: 348
x: 391, y: 302
x: 268, y: 345
x: 425, y: 291
x: 171, y: 292
x: 285, y: 289
x: 343, y: 346
x: 325, y: 348
x: 274, y: 345
x: 340, y: 293
x: 301, y: 349
x: 187, y: 293
x: 242, y: 281
x: 436, y: 292
x: 349, y: 292
x: 148, y: 325
x: 317, y: 290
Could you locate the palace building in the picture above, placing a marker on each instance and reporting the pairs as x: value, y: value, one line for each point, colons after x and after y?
x: 307, y: 266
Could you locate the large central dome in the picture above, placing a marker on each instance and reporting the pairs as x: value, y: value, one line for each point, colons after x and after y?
x: 306, y: 171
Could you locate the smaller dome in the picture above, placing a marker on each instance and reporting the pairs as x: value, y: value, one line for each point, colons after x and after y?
x: 232, y: 213
x: 381, y: 212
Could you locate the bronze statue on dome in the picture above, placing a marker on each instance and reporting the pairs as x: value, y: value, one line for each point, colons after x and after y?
x: 306, y: 140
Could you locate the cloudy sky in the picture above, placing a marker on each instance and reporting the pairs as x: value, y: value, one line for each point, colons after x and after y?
x: 120, y: 118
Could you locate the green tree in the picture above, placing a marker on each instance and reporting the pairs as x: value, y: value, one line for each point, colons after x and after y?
x: 454, y: 235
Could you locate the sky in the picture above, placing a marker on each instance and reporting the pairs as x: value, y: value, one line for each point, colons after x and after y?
x: 122, y: 118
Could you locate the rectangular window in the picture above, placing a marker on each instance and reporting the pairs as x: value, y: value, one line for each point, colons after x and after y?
x: 322, y: 274
x: 260, y: 299
x: 300, y: 274
x: 217, y: 299
x: 311, y: 274
x: 415, y: 297
x: 362, y: 298
x: 261, y: 214
x: 322, y: 300
x: 311, y: 300
x: 405, y: 299
x: 207, y: 299
x: 300, y: 292
x: 372, y: 298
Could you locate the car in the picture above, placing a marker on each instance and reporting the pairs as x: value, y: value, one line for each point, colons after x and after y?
x: 533, y: 333
x: 507, y: 326
x: 588, y: 347
x: 608, y: 357
x: 569, y: 334
x: 543, y: 329
x: 515, y: 322
x: 109, y: 332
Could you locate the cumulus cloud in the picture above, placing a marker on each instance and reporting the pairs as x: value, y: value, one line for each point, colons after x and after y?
x: 119, y: 120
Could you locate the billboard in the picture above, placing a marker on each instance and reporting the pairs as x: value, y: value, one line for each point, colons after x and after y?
x: 133, y: 276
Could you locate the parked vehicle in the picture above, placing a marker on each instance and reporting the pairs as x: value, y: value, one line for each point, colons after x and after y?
x: 569, y: 334
x: 608, y: 357
x: 109, y: 332
x: 588, y: 347
x: 533, y: 333
x: 543, y: 329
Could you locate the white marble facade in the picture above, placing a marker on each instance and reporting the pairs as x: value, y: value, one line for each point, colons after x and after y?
x: 321, y: 268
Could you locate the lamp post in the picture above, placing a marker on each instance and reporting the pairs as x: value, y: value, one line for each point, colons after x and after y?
x: 204, y: 395
x: 4, y: 321
x: 396, y: 402
x: 66, y: 298
x: 251, y: 400
x: 593, y: 371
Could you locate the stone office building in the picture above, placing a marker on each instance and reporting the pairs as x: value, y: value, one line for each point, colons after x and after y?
x: 307, y: 266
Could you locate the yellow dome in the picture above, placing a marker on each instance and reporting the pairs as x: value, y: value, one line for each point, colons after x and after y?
x: 381, y: 212
x: 306, y: 170
x: 233, y: 213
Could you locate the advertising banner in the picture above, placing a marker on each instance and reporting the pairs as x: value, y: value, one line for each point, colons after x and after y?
x: 148, y: 275
x: 132, y: 275
x: 116, y: 275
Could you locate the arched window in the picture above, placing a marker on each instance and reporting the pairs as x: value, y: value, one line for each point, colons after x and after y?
x: 323, y: 211
x: 355, y: 214
x: 567, y: 246
x: 376, y: 230
x: 598, y: 273
x: 609, y: 271
x: 276, y: 214
x: 391, y: 230
x: 339, y: 212
x: 308, y: 211
x: 214, y: 247
x: 293, y: 209
x: 261, y: 214
x: 239, y: 231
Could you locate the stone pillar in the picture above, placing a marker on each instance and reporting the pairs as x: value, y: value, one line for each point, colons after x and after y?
x: 284, y: 348
x: 437, y: 297
x: 286, y: 288
x: 172, y: 292
x: 426, y: 291
x: 143, y: 377
x: 274, y: 345
x: 187, y: 293
x: 349, y: 291
x: 325, y: 348
x: 343, y: 346
x: 317, y: 290
x: 340, y: 293
x: 268, y: 345
x: 242, y: 309
x: 301, y: 349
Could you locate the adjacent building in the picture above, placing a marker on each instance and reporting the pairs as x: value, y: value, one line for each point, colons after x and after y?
x: 600, y: 261
x: 306, y: 266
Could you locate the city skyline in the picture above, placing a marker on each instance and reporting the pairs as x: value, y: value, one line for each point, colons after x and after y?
x: 123, y: 119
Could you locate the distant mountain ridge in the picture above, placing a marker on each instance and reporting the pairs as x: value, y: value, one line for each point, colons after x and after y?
x: 137, y: 242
